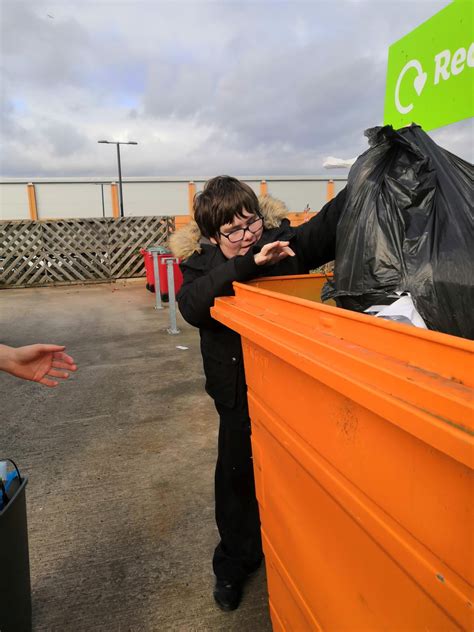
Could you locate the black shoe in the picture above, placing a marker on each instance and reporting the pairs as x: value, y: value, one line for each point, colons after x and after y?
x: 227, y: 594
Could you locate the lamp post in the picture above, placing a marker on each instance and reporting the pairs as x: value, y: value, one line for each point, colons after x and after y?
x: 118, y: 143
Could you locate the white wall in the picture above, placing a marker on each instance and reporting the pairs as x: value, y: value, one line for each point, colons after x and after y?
x: 297, y: 195
x: 81, y: 197
x: 14, y: 201
x: 155, y: 198
x: 56, y: 200
x: 339, y: 185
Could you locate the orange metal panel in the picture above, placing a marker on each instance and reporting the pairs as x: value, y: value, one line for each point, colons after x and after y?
x: 362, y: 434
x: 191, y: 194
x: 330, y: 190
x: 115, y: 200
x: 308, y: 286
x: 181, y: 220
x: 296, y: 219
x: 32, y: 201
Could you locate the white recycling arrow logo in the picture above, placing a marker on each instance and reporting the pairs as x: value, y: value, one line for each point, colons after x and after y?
x: 418, y: 83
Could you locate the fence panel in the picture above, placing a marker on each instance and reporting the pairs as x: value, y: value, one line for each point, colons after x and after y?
x: 75, y: 251
x: 21, y: 254
x: 38, y: 253
x: 125, y: 238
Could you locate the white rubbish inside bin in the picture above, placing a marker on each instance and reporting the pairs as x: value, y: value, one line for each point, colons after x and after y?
x: 402, y: 310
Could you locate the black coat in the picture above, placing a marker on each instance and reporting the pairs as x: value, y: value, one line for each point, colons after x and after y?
x: 208, y: 274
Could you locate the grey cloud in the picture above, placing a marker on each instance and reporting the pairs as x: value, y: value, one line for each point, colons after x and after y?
x: 40, y: 50
x: 304, y: 94
x: 180, y: 91
x: 42, y: 54
x: 458, y: 138
x: 310, y: 108
x: 63, y: 138
x: 269, y: 87
x: 14, y: 162
x: 9, y: 124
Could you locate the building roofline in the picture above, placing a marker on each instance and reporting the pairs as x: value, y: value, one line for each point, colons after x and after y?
x: 108, y: 180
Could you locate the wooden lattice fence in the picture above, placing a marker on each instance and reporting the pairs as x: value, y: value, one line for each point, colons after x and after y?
x: 77, y: 250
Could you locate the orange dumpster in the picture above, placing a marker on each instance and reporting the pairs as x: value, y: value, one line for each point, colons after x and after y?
x: 362, y: 436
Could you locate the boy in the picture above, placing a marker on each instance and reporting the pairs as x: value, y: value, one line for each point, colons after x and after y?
x: 234, y: 238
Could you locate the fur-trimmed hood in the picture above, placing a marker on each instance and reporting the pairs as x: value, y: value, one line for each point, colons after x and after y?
x: 185, y: 242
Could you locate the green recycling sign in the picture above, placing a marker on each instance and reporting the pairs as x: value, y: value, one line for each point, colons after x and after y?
x: 430, y: 75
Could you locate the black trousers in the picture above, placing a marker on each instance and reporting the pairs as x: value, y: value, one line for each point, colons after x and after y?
x: 240, y: 550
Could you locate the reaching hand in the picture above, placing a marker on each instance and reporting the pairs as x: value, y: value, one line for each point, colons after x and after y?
x: 38, y: 363
x: 274, y: 252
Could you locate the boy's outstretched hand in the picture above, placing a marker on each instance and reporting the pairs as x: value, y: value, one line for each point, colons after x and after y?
x: 274, y: 252
x: 38, y: 363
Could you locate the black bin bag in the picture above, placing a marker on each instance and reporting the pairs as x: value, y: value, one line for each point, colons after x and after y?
x: 408, y: 225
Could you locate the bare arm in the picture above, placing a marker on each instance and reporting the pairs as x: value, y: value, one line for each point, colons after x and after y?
x: 38, y: 363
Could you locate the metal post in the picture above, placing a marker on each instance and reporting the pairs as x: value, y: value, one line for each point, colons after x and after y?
x: 173, y: 329
x: 103, y: 202
x: 118, y: 143
x: 101, y: 184
x: 158, y: 304
x: 120, y: 179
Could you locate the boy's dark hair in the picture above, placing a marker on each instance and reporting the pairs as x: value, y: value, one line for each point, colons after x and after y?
x: 222, y: 199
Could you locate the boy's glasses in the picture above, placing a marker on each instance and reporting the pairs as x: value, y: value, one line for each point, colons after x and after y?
x: 239, y: 233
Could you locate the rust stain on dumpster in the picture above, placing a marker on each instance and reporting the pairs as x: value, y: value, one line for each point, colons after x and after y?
x: 348, y: 422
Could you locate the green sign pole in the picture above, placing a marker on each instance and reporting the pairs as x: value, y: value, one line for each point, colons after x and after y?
x: 430, y: 75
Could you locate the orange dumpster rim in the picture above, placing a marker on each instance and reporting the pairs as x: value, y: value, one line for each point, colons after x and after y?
x: 427, y: 334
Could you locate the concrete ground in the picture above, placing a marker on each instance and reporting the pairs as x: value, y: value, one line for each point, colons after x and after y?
x: 120, y: 462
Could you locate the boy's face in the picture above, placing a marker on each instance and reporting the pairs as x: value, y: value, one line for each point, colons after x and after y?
x: 236, y: 238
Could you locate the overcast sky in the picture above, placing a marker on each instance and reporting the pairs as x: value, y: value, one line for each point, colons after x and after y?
x: 261, y: 87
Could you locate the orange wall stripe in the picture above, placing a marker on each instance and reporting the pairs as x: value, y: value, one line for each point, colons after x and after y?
x: 180, y: 221
x: 330, y: 190
x: 32, y: 201
x: 115, y: 200
x: 191, y: 194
